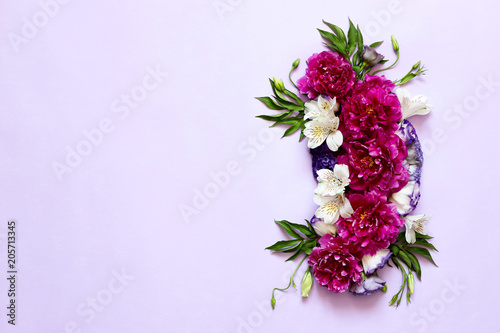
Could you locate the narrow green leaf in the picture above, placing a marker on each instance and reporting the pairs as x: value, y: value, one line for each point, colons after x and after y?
x: 282, y: 244
x: 294, y: 96
x: 285, y: 225
x: 403, y: 256
x: 376, y: 44
x: 352, y: 35
x: 401, y: 237
x: 383, y: 61
x: 296, y: 254
x: 360, y: 42
x: 270, y: 103
x: 294, y: 248
x: 423, y: 252
x: 288, y: 105
x: 292, y: 129
x: 302, y: 228
x: 421, y: 236
x: 425, y: 243
x: 415, y: 264
x: 306, y: 283
x: 340, y: 34
x: 274, y: 117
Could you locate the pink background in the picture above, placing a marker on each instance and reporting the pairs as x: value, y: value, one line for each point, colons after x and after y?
x: 116, y: 212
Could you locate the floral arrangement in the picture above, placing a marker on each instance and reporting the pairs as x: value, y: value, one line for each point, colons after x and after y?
x: 367, y: 159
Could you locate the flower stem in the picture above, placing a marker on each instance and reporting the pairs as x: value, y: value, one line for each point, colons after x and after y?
x: 384, y: 69
x: 273, y: 300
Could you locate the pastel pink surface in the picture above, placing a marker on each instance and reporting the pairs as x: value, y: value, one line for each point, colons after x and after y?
x: 104, y: 247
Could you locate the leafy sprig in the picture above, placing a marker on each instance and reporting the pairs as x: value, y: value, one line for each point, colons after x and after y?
x: 352, y: 48
x: 304, y: 240
x: 284, y: 99
x: 406, y: 253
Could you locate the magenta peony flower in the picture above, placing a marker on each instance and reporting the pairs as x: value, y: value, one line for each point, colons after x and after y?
x: 335, y: 263
x: 374, y: 225
x: 376, y: 162
x: 370, y: 106
x: 328, y: 73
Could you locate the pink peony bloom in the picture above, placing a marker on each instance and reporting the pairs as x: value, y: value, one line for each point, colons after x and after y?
x: 328, y: 73
x: 374, y: 225
x: 370, y: 106
x: 335, y: 263
x: 376, y: 162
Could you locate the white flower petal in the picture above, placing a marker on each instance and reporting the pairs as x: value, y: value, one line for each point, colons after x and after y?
x: 334, y: 140
x: 322, y: 228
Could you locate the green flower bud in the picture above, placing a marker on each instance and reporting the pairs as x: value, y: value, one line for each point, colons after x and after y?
x: 416, y: 65
x: 411, y: 283
x: 307, y: 282
x: 273, y: 302
x: 295, y: 63
x: 279, y: 84
x: 395, y: 44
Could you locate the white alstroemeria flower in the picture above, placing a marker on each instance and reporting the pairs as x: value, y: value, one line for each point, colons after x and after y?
x: 415, y: 223
x: 321, y: 129
x: 323, y: 107
x: 412, y: 106
x: 322, y: 228
x: 331, y: 183
x: 324, y: 124
x: 331, y: 208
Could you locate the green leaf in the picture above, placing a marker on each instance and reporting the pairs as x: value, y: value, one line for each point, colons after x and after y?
x: 360, y: 42
x: 425, y: 243
x: 423, y: 252
x: 376, y: 44
x: 403, y: 256
x: 288, y: 105
x: 270, y: 103
x: 302, y: 228
x: 311, y: 228
x: 282, y: 245
x: 292, y: 129
x: 352, y: 35
x: 415, y: 263
x: 340, y: 34
x: 285, y: 225
x: 306, y: 282
x: 295, y: 247
x: 337, y: 44
x: 421, y: 236
x: 274, y: 117
x: 296, y: 254
x: 401, y: 237
x: 381, y: 62
x: 294, y: 96
x: 309, y: 245
x: 394, y: 249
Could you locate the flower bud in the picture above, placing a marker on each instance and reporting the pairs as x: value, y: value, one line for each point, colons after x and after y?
x: 416, y: 65
x: 395, y: 44
x: 370, y: 56
x: 279, y: 84
x: 295, y: 63
x: 411, y: 283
